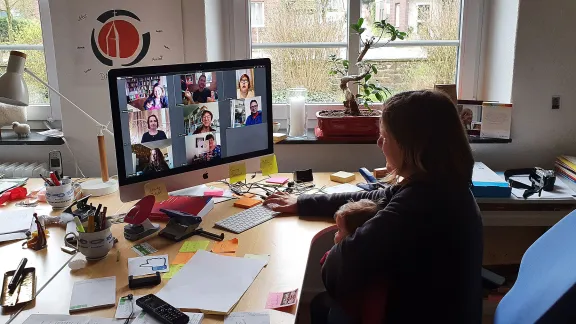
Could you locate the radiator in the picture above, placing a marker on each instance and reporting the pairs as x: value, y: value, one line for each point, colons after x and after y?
x: 23, y: 169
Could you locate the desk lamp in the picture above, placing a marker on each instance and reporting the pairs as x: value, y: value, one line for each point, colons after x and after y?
x: 14, y: 91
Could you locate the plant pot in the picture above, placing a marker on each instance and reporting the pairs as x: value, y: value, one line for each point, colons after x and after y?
x: 350, y: 126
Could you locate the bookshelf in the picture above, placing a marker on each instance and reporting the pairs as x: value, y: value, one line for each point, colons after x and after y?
x: 142, y: 87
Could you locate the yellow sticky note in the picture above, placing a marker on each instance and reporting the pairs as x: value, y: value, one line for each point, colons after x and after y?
x: 193, y: 246
x: 157, y: 189
x: 183, y: 257
x: 229, y: 246
x: 174, y: 268
x: 237, y: 172
x: 268, y: 165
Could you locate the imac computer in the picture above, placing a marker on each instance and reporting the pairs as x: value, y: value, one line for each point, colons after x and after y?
x: 185, y: 124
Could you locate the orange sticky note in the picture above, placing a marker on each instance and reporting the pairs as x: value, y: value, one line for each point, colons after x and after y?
x: 232, y: 254
x: 246, y: 203
x: 229, y: 246
x: 183, y: 257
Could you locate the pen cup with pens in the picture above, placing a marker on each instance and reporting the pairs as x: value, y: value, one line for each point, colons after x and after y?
x: 59, y: 192
x: 94, y: 236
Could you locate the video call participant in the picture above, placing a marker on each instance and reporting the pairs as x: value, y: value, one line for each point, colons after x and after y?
x: 206, y: 126
x: 214, y: 151
x: 157, y: 162
x: 255, y: 116
x: 244, y: 87
x: 153, y: 133
x: 203, y: 94
x: 159, y: 99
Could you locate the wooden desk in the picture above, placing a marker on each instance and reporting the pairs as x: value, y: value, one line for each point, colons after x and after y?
x: 286, y: 239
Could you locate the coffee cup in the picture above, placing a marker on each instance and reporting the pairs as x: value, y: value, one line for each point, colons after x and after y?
x: 276, y: 127
x: 94, y: 246
x: 60, y: 196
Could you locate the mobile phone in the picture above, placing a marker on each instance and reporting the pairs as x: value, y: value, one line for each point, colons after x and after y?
x: 55, y: 163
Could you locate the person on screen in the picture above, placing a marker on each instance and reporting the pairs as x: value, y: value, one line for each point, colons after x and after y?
x: 244, y: 87
x: 255, y: 116
x: 149, y: 104
x: 203, y: 94
x: 466, y: 117
x: 153, y: 133
x: 214, y: 151
x: 206, y: 126
x: 159, y: 99
x: 157, y: 162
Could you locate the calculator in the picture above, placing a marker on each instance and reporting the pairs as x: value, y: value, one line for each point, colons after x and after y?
x: 161, y: 310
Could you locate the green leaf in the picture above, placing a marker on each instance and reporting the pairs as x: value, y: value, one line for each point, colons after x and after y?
x: 360, y: 22
x: 346, y: 63
x: 332, y: 72
x: 361, y: 30
x: 367, y: 91
x: 359, y: 95
x: 366, y: 105
x: 379, y: 97
x: 355, y: 27
x: 367, y: 77
x: 374, y: 69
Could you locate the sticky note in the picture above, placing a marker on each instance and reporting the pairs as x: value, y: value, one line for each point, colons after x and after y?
x: 183, y: 257
x: 229, y: 246
x: 265, y: 257
x: 237, y: 172
x: 193, y: 246
x: 268, y: 165
x: 277, y: 180
x: 232, y: 254
x: 214, y: 192
x: 174, y: 268
x: 281, y: 299
x: 246, y: 203
x: 157, y: 189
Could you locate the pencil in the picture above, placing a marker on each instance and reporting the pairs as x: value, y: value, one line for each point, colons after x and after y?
x: 91, y: 224
x: 103, y: 218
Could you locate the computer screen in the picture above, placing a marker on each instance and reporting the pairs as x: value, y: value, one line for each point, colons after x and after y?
x: 175, y: 119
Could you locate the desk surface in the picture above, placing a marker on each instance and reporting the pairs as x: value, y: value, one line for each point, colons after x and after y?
x: 286, y: 239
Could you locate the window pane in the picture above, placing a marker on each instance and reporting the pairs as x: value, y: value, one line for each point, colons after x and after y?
x: 422, y: 20
x: 303, y: 67
x: 300, y: 21
x: 414, y: 68
x: 20, y: 24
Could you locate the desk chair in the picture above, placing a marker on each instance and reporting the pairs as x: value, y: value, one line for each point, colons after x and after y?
x: 545, y: 290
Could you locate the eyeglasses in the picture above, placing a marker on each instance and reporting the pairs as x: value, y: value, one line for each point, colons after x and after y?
x: 244, y: 81
x: 254, y: 106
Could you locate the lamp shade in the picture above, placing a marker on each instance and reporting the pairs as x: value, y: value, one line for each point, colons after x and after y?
x: 13, y: 89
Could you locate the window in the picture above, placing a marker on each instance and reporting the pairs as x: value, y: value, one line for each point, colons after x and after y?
x: 21, y: 30
x: 257, y: 14
x: 300, y: 35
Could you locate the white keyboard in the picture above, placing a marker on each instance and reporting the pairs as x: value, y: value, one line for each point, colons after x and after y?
x: 247, y: 219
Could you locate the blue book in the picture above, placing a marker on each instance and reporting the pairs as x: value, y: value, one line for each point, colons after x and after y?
x: 488, y: 184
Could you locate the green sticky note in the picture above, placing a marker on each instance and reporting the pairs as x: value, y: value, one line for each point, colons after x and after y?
x: 268, y: 165
x: 193, y: 246
x: 237, y: 173
x: 174, y: 268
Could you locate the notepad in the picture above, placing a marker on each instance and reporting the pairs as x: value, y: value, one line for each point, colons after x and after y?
x: 93, y: 293
x: 15, y: 221
x: 247, y: 318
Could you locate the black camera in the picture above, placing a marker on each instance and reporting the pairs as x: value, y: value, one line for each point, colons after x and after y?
x: 543, y: 178
x: 540, y: 179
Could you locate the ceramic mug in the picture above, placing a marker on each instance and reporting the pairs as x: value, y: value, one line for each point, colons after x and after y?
x: 276, y: 127
x: 60, y: 196
x: 94, y: 246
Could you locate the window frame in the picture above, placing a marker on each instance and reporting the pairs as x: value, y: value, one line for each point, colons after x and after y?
x: 469, y: 47
x: 261, y: 3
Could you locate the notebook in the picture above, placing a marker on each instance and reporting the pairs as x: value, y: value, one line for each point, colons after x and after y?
x: 93, y: 293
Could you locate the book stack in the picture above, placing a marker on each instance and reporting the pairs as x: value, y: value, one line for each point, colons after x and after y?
x: 565, y: 166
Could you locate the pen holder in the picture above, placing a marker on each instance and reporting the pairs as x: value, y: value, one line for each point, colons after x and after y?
x: 94, y: 246
x: 60, y: 196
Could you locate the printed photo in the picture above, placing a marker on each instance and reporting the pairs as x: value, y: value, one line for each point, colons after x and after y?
x: 245, y: 83
x: 238, y: 113
x: 199, y: 88
x: 253, y: 111
x: 148, y: 160
x: 201, y: 118
x: 146, y: 93
x: 470, y: 115
x: 201, y: 148
x: 149, y: 126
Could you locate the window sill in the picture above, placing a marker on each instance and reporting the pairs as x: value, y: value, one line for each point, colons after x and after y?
x: 312, y: 139
x: 10, y: 138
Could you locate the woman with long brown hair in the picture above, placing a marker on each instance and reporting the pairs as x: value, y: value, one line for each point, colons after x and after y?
x: 157, y: 162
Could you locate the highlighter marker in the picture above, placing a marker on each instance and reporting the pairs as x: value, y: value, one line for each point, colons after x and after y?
x: 79, y: 226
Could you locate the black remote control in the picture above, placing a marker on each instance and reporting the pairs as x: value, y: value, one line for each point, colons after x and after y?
x: 161, y: 310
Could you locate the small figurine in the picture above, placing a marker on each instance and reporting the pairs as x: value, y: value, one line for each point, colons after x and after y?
x: 22, y: 130
x: 39, y: 241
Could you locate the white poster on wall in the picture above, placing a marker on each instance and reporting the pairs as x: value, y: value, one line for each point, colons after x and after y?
x: 115, y: 34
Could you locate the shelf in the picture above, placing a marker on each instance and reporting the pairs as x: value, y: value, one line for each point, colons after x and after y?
x: 10, y: 138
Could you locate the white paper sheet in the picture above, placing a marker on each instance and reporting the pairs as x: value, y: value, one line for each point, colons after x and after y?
x: 12, y: 237
x: 496, y: 121
x: 67, y: 319
x: 561, y: 189
x: 15, y: 221
x: 148, y: 265
x: 346, y: 187
x: 93, y: 293
x: 124, y: 308
x: 143, y: 318
x: 247, y: 318
x: 211, y: 282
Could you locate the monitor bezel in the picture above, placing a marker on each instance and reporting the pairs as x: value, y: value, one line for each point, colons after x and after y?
x: 114, y: 74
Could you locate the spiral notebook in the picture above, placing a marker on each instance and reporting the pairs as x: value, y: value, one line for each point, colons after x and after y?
x: 93, y: 293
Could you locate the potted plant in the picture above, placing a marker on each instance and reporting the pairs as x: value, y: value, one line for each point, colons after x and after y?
x: 353, y: 121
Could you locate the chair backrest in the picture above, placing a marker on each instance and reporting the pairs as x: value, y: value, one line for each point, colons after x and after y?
x: 545, y: 289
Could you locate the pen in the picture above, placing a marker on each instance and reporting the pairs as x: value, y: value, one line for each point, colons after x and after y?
x: 46, y: 181
x: 17, y: 275
x: 97, y: 218
x: 91, y: 224
x: 79, y: 226
x: 54, y: 178
x: 103, y: 221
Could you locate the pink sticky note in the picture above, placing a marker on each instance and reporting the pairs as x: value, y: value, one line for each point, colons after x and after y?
x: 281, y: 299
x: 214, y: 192
x: 277, y: 180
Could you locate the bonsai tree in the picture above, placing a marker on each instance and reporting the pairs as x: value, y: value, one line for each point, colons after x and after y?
x: 368, y: 89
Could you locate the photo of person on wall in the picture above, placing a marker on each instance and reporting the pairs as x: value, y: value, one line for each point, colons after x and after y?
x: 255, y: 115
x: 149, y: 126
x: 245, y: 87
x: 156, y: 163
x: 197, y: 88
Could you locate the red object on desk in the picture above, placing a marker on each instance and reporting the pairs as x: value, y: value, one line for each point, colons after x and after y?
x: 13, y: 194
x: 140, y: 211
x: 54, y: 178
x: 198, y: 206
